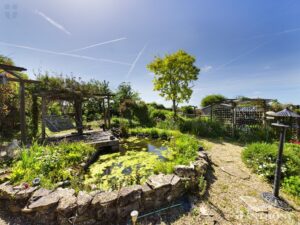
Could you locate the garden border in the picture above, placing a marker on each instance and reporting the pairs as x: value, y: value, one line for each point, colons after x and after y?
x: 62, y: 206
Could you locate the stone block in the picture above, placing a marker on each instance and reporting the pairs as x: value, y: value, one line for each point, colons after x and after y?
x: 83, y: 202
x: 129, y: 194
x: 185, y: 171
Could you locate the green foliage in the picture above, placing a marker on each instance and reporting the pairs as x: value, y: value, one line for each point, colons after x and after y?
x: 254, y: 134
x: 153, y: 132
x: 188, y: 109
x: 292, y: 185
x: 124, y: 92
x: 156, y: 105
x: 261, y: 157
x: 173, y: 76
x: 203, y: 127
x: 114, y: 171
x: 141, y: 113
x: 212, y: 99
x: 182, y: 148
x: 202, y: 184
x: 51, y: 163
x: 118, y: 122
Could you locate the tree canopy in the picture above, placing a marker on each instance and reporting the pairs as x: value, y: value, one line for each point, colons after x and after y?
x: 212, y: 99
x: 174, y: 75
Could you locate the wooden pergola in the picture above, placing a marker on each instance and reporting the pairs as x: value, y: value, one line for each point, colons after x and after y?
x: 17, y: 78
x: 77, y: 98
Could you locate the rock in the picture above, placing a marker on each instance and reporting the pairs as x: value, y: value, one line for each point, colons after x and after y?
x: 236, y: 172
x: 104, y: 205
x: 105, y: 198
x: 203, y: 155
x: 39, y: 193
x: 129, y: 194
x: 45, y: 202
x: 51, y: 199
x: 254, y: 204
x: 185, y: 171
x: 200, y: 166
x: 205, y: 210
x: 7, y: 191
x: 83, y: 202
x: 66, y: 209
x: 166, y: 188
x: 25, y: 194
x: 158, y: 181
x: 148, y: 197
x: 67, y: 204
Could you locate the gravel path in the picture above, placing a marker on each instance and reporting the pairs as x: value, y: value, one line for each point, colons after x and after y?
x: 229, y: 180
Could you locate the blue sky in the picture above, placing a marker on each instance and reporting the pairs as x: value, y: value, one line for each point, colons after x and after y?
x: 248, y: 47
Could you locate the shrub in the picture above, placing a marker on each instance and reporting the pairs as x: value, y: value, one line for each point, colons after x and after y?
x: 261, y: 157
x: 51, y: 163
x: 292, y: 185
x: 203, y: 127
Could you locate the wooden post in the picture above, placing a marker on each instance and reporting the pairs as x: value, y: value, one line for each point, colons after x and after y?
x: 108, y: 111
x: 44, y: 113
x: 35, y: 115
x: 264, y: 114
x: 22, y: 112
x: 233, y: 119
x: 78, y: 115
x: 104, y: 114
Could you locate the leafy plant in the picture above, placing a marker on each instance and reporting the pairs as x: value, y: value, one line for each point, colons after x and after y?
x: 261, y: 157
x: 51, y: 163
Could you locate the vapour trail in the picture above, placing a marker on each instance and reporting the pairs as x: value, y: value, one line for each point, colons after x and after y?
x: 64, y: 54
x: 52, y: 22
x: 135, y: 61
x: 98, y: 44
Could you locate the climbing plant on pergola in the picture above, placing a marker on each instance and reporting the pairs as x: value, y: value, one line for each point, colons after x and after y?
x: 15, y: 77
x: 77, y: 92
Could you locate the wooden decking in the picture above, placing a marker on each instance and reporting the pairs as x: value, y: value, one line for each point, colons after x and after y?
x: 99, y: 139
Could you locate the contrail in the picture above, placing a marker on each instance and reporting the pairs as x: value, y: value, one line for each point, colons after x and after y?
x: 242, y: 55
x: 65, y: 54
x: 135, y: 61
x: 275, y: 33
x: 259, y: 46
x: 98, y: 44
x: 52, y: 22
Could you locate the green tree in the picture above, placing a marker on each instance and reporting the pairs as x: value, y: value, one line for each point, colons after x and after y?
x: 174, y: 75
x: 212, y: 99
x: 125, y: 92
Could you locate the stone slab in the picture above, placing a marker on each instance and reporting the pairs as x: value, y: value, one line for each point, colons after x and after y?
x: 235, y: 171
x: 255, y: 204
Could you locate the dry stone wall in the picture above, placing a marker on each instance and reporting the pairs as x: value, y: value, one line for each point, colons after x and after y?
x: 63, y: 206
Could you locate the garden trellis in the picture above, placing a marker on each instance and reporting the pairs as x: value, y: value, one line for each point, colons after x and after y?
x: 239, y: 114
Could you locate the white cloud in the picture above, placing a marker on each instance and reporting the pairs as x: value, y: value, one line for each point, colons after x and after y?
x: 206, y: 68
x: 52, y: 22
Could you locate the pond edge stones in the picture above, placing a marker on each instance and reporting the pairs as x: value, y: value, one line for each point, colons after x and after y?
x: 63, y: 206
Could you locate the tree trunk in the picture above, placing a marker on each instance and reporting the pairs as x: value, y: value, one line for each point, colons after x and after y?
x: 174, y: 108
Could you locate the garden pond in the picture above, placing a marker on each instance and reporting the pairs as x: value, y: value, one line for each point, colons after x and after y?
x: 136, y: 161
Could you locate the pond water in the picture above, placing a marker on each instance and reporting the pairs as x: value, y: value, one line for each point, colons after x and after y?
x: 155, y: 146
x: 133, y: 165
